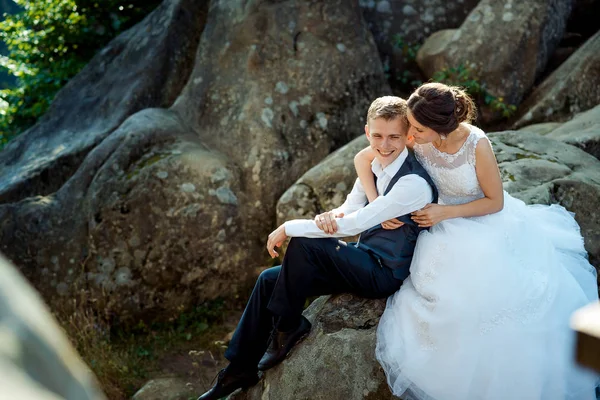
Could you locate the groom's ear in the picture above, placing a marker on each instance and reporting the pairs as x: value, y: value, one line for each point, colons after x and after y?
x: 367, y: 131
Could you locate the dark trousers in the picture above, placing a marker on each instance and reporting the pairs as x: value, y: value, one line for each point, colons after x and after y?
x: 311, y: 267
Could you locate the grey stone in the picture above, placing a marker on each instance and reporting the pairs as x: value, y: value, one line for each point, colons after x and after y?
x: 582, y: 131
x: 238, y: 166
x: 543, y: 128
x: 323, y: 187
x: 412, y: 21
x: 572, y: 88
x: 37, y: 361
x: 128, y: 75
x: 188, y: 187
x: 162, y: 174
x: 336, y: 361
x: 526, y: 35
x: 170, y: 388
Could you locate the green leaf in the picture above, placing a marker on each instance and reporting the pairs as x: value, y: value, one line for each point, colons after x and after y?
x: 48, y: 43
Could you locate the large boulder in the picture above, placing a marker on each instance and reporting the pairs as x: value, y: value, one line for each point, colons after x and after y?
x: 148, y: 210
x: 572, y: 88
x: 582, y: 131
x: 400, y: 26
x: 37, y: 360
x: 530, y: 164
x: 521, y: 33
x: 145, y: 66
x: 336, y: 361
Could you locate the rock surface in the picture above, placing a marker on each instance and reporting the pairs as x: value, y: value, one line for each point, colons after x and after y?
x: 530, y: 164
x: 323, y: 187
x: 572, y: 88
x: 409, y: 22
x: 523, y: 33
x: 582, y: 131
x: 146, y: 66
x: 37, y: 361
x: 542, y: 128
x: 335, y: 361
x: 165, y: 389
x: 148, y: 209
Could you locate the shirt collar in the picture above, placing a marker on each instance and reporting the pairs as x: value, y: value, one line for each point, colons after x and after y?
x: 391, y: 169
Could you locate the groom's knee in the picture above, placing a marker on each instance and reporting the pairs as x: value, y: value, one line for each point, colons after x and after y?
x: 269, y: 276
x: 301, y: 244
x: 266, y: 282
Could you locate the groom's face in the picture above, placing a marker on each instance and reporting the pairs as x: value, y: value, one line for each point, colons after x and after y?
x: 387, y: 138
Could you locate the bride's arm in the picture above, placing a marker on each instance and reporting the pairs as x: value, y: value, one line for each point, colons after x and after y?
x: 362, y: 163
x: 489, y: 179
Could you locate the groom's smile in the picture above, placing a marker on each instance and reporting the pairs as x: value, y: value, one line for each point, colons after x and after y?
x: 385, y: 153
x: 387, y: 138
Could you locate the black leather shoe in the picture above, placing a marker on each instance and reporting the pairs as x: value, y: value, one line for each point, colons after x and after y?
x: 228, y: 382
x: 282, y: 343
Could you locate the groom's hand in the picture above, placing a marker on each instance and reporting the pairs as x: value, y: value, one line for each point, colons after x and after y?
x: 326, y: 222
x: 276, y: 239
x: 391, y: 224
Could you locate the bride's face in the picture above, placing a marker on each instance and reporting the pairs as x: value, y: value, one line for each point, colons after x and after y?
x: 421, y: 133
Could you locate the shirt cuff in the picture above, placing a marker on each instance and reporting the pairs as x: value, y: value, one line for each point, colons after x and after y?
x: 295, y: 227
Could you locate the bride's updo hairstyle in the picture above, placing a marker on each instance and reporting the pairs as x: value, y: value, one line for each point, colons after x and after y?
x: 441, y: 107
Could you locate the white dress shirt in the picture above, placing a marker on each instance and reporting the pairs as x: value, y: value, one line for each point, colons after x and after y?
x: 410, y: 193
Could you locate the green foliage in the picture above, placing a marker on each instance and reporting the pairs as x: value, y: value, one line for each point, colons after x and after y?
x: 49, y: 42
x: 187, y: 324
x: 463, y: 76
x: 408, y: 50
x: 123, y: 358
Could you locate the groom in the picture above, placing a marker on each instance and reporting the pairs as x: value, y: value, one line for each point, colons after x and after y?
x: 316, y: 263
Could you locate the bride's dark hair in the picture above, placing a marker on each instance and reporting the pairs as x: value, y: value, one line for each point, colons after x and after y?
x: 441, y: 107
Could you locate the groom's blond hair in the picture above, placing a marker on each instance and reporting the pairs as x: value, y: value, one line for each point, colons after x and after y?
x: 388, y: 108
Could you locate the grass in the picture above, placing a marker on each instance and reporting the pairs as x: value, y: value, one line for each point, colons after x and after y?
x: 463, y: 76
x: 124, y: 359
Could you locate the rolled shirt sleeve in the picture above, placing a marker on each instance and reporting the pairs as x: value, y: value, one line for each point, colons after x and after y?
x: 410, y: 193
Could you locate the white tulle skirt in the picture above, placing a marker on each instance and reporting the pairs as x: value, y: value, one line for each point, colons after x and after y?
x: 485, y: 312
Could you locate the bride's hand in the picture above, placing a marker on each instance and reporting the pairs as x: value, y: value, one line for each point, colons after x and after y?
x: 429, y: 215
x: 393, y: 223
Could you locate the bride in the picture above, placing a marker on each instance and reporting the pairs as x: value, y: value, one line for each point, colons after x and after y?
x: 485, y: 311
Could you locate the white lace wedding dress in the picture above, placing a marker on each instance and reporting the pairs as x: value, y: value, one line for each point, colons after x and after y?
x: 485, y: 312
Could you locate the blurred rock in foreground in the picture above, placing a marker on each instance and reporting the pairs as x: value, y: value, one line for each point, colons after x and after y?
x: 37, y: 362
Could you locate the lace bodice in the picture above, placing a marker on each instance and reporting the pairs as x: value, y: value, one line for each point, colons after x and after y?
x: 453, y: 174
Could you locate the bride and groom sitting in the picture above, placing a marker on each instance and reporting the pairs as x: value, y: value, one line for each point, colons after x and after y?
x: 444, y: 315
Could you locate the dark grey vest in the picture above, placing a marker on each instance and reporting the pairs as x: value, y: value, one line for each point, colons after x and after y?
x: 394, y: 248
